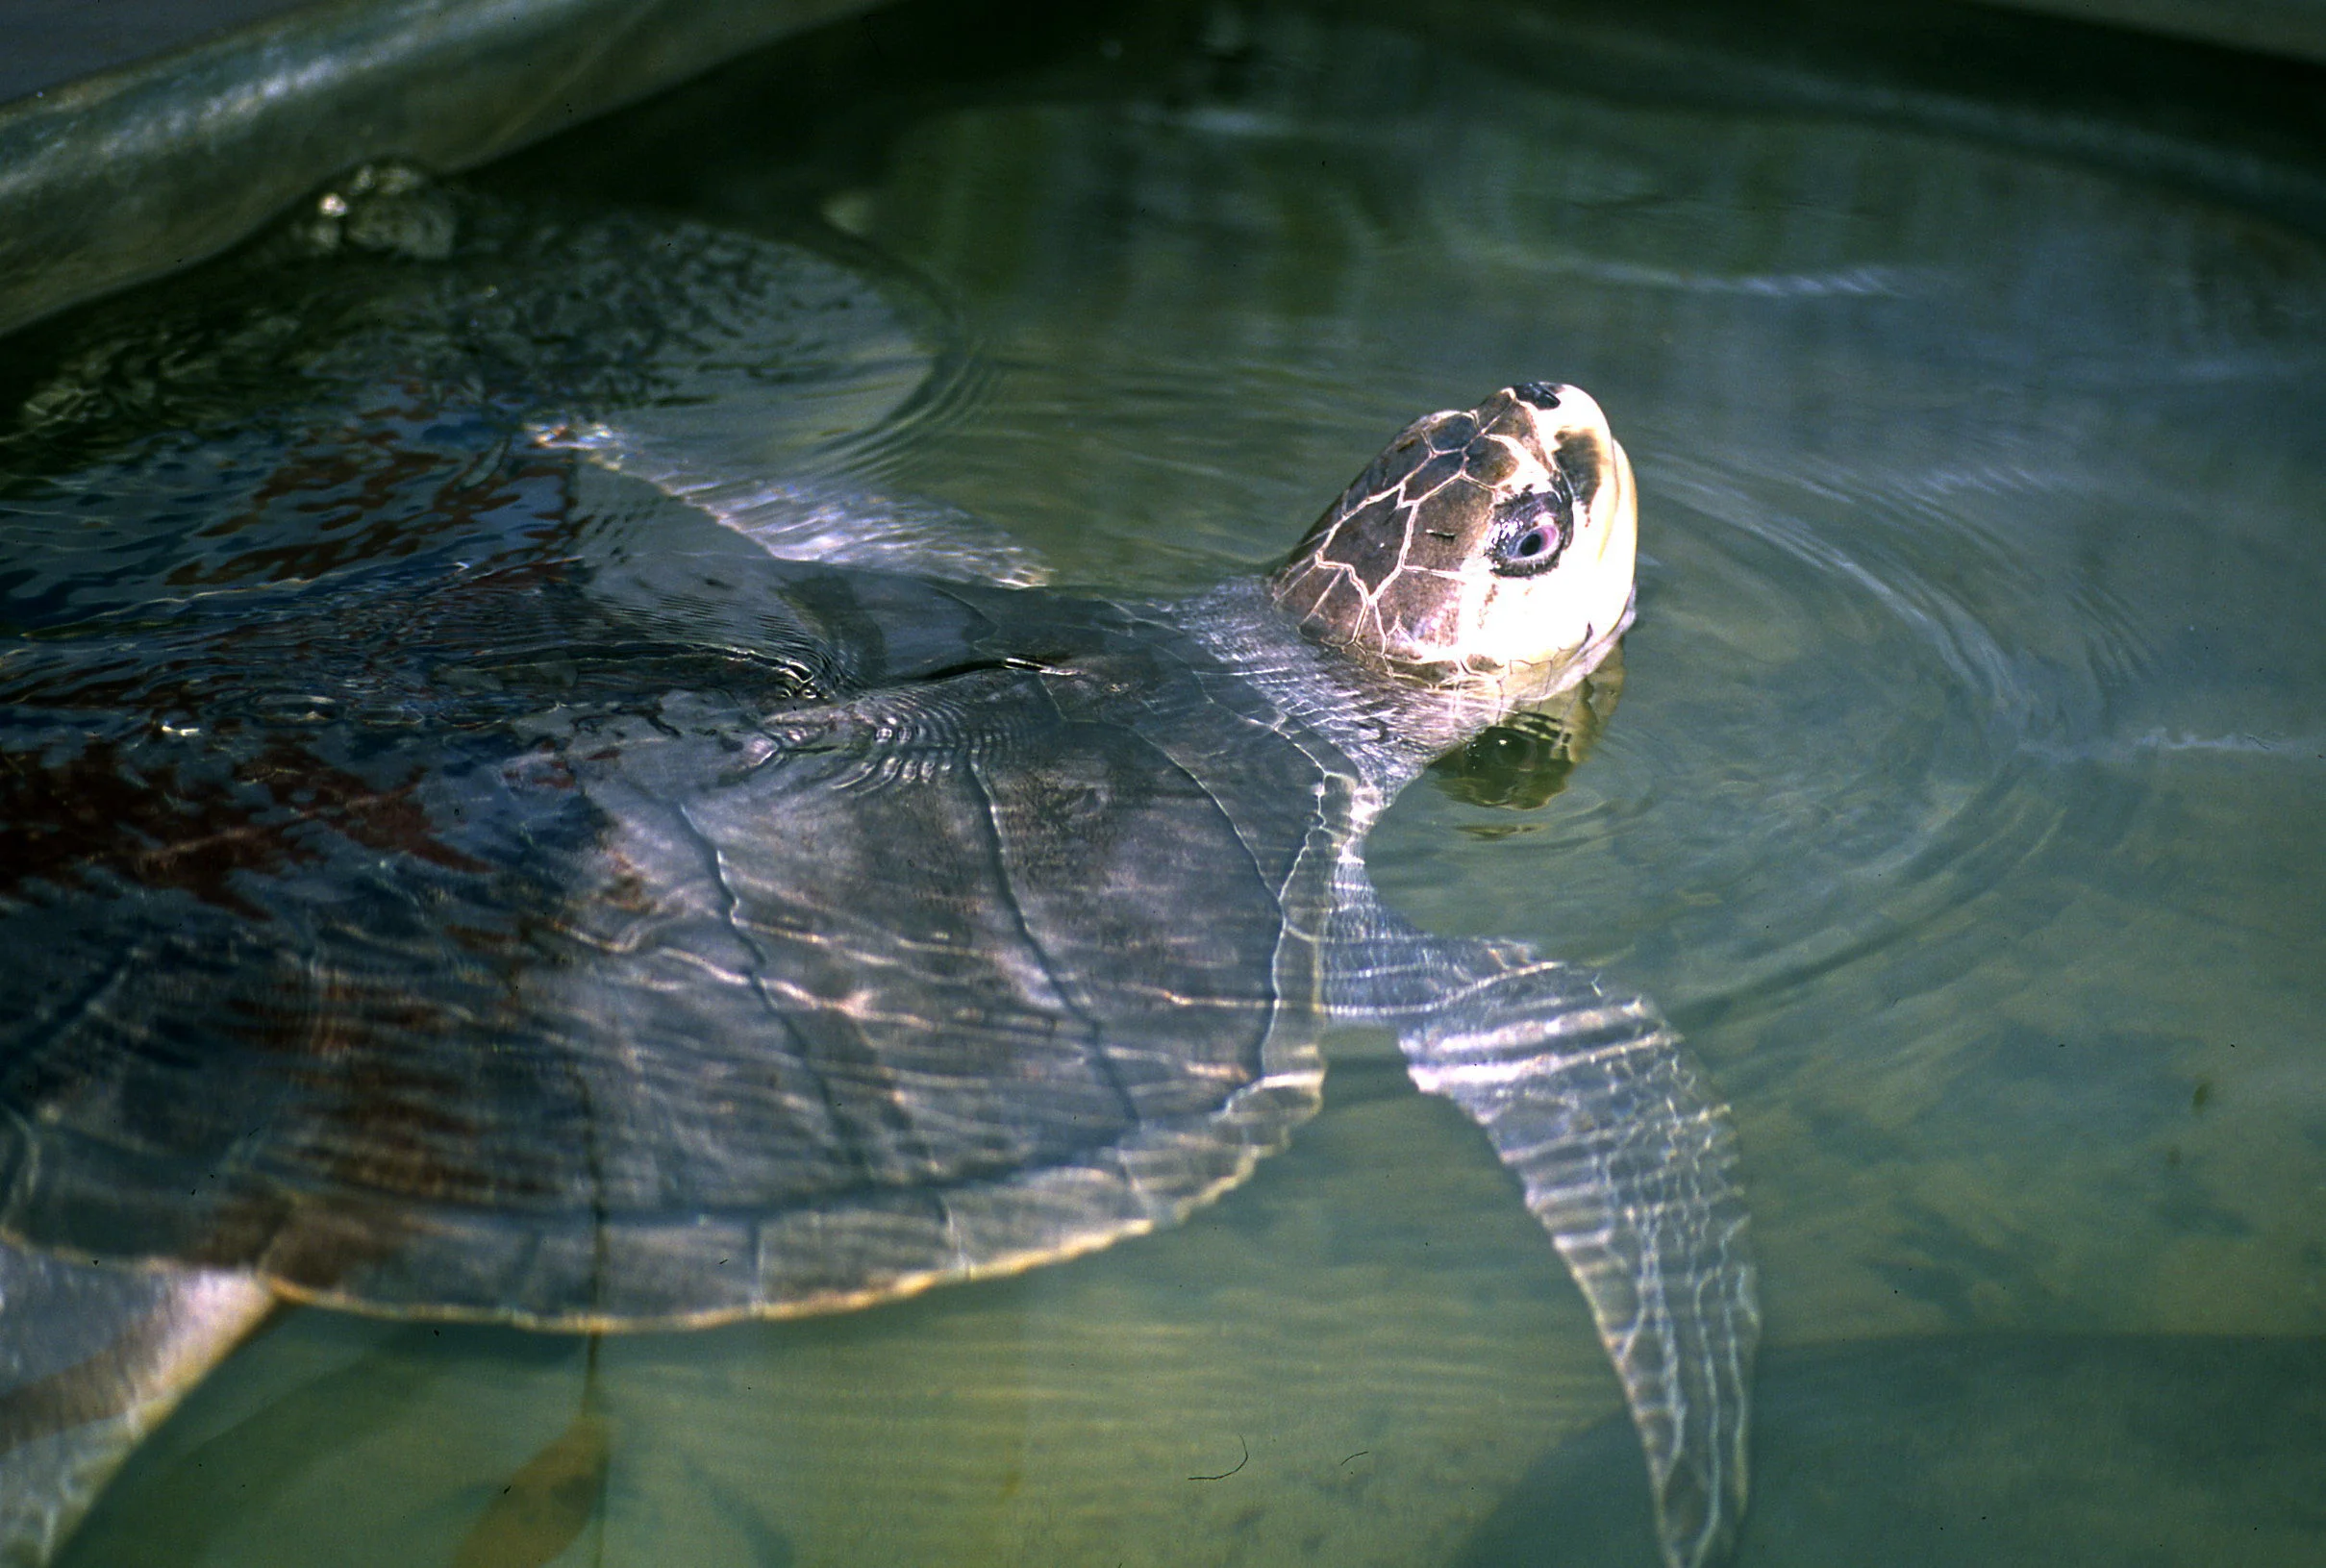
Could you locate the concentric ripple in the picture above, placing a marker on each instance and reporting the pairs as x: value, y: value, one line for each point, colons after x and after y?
x: 365, y: 388
x: 1944, y: 456
x: 1830, y: 743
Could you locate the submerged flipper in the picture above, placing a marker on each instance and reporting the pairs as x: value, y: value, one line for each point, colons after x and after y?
x: 91, y: 1358
x: 1627, y: 1160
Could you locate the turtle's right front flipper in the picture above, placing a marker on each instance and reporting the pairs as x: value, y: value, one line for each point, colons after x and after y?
x: 1631, y: 1166
x: 1627, y: 1160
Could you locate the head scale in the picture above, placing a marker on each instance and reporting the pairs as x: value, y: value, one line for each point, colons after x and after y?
x: 1494, y: 544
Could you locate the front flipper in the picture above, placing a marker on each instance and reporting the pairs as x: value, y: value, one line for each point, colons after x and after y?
x: 801, y: 518
x: 1627, y: 1160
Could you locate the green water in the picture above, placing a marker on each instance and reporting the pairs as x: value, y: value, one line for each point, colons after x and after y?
x: 1962, y: 808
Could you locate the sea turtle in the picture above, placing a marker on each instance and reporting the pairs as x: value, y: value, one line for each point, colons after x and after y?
x: 661, y: 932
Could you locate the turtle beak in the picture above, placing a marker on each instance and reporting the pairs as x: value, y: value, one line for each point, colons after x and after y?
x: 1619, y: 539
x: 1615, y: 521
x: 1570, y: 425
x: 1616, y: 511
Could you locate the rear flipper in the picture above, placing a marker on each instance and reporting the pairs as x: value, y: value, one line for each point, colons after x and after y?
x: 1626, y: 1159
x: 91, y: 1359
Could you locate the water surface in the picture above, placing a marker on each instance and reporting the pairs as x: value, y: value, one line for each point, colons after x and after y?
x: 1960, y: 806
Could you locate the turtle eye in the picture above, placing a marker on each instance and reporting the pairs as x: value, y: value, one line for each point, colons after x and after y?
x: 1533, y: 543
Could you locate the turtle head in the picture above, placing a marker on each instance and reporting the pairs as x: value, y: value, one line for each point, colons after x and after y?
x: 1489, y: 544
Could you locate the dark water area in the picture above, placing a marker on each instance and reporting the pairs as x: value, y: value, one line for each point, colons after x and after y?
x: 1960, y: 806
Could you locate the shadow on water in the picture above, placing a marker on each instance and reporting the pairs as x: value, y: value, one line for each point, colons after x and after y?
x: 2082, y: 1451
x: 327, y: 1389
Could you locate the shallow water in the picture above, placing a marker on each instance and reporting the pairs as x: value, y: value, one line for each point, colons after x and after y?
x: 1960, y: 808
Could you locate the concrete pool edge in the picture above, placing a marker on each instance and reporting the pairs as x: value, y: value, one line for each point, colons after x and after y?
x: 2292, y: 28
x: 123, y: 176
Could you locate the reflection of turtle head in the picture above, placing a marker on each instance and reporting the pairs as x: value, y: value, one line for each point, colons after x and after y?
x: 1492, y: 543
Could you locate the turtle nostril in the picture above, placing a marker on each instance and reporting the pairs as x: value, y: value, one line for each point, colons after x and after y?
x: 1540, y: 394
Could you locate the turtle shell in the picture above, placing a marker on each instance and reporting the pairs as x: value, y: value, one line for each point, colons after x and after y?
x: 657, y: 932
x: 444, y: 878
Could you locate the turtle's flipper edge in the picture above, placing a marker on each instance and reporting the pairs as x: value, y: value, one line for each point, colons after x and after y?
x: 91, y: 1358
x: 1631, y: 1166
